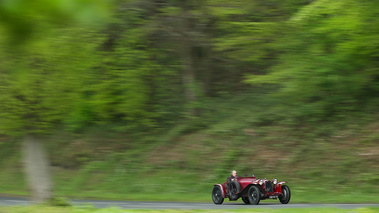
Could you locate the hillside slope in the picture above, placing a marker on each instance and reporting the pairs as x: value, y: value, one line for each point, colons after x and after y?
x: 182, y: 163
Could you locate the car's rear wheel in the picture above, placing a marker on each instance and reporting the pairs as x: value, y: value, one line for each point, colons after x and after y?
x: 217, y: 195
x: 286, y: 195
x: 246, y: 200
x: 254, y: 195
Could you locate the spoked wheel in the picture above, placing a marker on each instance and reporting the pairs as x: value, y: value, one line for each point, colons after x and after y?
x: 217, y: 195
x: 235, y: 187
x: 254, y: 195
x: 286, y: 195
x: 246, y: 200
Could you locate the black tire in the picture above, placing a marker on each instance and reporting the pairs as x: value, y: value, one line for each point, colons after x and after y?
x: 234, y: 188
x: 254, y: 195
x: 217, y: 195
x: 286, y: 195
x: 246, y: 200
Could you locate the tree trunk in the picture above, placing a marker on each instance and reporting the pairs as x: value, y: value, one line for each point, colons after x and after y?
x: 207, y: 70
x: 189, y: 81
x: 37, y: 168
x: 189, y: 72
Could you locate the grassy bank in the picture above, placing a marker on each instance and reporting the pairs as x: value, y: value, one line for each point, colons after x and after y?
x: 329, y: 162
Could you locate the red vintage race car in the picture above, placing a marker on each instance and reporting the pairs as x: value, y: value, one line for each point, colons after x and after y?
x: 252, y: 190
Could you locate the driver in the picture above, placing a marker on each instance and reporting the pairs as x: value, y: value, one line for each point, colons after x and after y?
x: 232, y: 177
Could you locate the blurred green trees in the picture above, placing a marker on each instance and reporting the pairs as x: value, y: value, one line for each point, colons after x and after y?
x: 42, y: 55
x: 151, y: 62
x: 154, y: 61
x: 23, y: 19
x: 328, y: 67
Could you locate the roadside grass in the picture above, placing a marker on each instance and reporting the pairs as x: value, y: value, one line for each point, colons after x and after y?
x: 202, y: 198
x: 89, y: 209
x: 300, y: 194
x: 317, y: 173
x: 11, y: 175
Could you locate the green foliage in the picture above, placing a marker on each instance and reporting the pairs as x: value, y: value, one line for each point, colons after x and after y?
x: 327, y: 68
x: 22, y: 19
x: 247, y: 33
x: 131, y: 72
x: 39, y: 86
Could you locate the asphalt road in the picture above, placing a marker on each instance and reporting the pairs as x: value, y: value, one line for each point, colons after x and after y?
x: 8, y: 201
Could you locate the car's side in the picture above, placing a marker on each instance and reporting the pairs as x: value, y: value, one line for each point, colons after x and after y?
x: 251, y: 190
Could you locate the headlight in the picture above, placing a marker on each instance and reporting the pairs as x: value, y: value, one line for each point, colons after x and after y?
x: 275, y: 181
x: 260, y: 182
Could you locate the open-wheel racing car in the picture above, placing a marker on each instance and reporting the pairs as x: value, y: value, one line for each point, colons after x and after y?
x: 252, y: 190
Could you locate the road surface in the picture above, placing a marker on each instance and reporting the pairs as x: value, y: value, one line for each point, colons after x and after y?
x: 9, y: 201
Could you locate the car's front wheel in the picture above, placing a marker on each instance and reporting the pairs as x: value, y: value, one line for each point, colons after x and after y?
x: 286, y: 195
x: 254, y: 195
x: 217, y: 195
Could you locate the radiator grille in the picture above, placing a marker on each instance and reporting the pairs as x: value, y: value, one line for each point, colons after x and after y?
x: 268, y: 186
